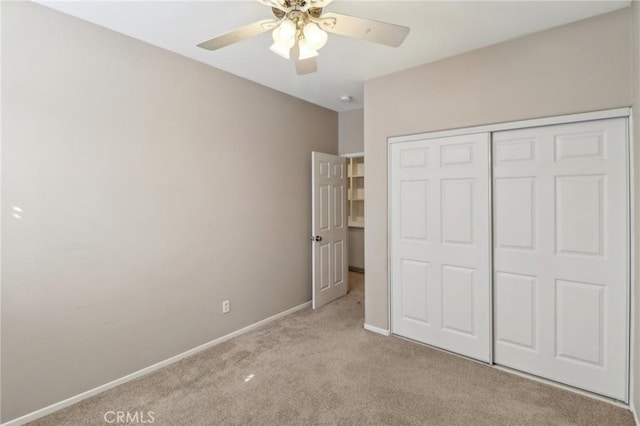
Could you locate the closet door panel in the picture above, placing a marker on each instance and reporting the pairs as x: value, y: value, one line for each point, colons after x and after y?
x: 440, y: 243
x: 561, y: 253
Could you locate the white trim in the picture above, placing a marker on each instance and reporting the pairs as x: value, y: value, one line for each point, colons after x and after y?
x: 630, y: 257
x: 490, y: 204
x: 129, y: 377
x: 1, y: 209
x: 633, y: 355
x: 389, y: 243
x: 561, y: 386
x: 377, y: 330
x: 353, y: 155
x: 536, y: 122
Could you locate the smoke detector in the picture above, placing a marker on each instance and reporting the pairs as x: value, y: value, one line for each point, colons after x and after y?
x: 346, y: 99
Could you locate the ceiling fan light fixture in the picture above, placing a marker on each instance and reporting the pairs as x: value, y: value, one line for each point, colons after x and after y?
x: 287, y: 30
x: 316, y: 38
x: 281, y: 49
x: 306, y: 52
x: 276, y: 35
x: 278, y: 39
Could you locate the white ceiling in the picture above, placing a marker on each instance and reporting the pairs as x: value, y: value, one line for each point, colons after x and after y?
x: 439, y: 29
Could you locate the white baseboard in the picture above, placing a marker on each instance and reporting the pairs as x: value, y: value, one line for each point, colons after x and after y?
x: 634, y: 412
x: 117, y: 382
x: 377, y: 330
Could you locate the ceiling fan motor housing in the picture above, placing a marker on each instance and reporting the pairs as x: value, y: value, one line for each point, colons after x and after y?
x: 296, y: 14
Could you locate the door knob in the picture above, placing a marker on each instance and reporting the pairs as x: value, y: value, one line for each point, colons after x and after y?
x: 316, y: 238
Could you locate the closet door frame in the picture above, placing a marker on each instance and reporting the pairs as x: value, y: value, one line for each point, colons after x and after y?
x: 631, y: 241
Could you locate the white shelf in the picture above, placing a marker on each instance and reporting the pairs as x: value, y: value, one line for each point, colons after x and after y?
x: 355, y: 191
x: 356, y: 224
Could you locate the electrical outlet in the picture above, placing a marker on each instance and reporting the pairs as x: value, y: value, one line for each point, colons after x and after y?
x: 226, y: 307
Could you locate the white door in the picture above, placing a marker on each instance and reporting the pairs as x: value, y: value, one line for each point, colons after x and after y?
x: 561, y: 253
x: 440, y: 250
x: 329, y: 228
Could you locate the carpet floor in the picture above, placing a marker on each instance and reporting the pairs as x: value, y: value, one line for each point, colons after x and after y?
x: 322, y: 368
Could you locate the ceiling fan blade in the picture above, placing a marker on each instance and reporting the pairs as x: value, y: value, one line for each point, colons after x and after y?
x: 315, y: 4
x: 240, y: 34
x: 364, y: 29
x: 306, y: 66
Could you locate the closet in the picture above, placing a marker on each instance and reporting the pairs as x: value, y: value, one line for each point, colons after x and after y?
x: 512, y: 246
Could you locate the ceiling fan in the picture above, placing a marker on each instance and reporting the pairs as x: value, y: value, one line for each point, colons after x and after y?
x: 300, y: 30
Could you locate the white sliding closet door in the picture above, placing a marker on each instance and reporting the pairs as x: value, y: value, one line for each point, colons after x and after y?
x: 440, y: 249
x: 561, y: 253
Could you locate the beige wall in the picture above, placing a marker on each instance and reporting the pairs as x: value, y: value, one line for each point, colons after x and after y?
x: 351, y: 131
x: 635, y: 380
x: 152, y: 187
x: 579, y: 67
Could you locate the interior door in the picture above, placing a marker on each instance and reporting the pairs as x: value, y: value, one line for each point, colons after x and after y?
x: 561, y: 232
x: 329, y: 228
x: 440, y: 250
